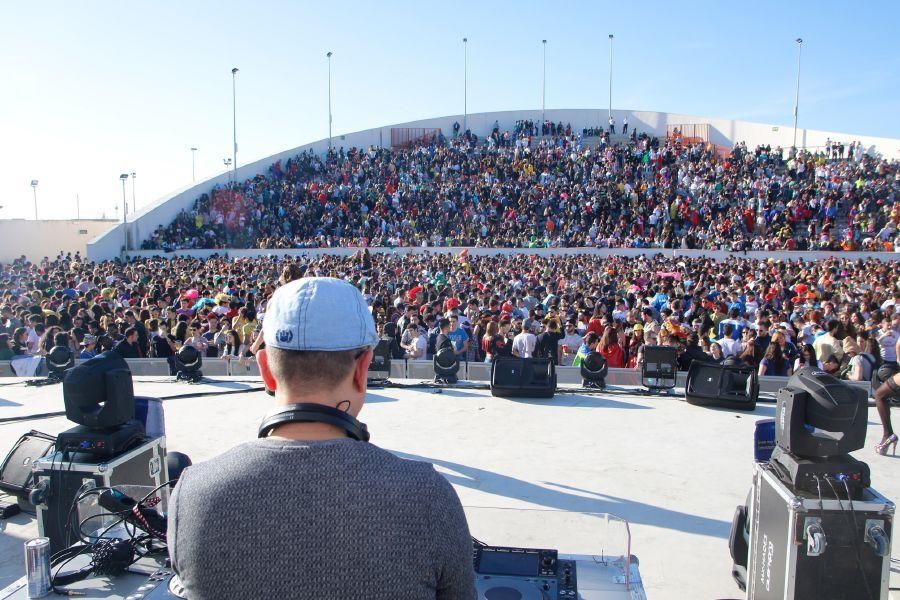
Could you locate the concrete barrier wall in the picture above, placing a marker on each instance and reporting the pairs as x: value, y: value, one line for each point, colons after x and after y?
x: 724, y: 132
x: 417, y: 369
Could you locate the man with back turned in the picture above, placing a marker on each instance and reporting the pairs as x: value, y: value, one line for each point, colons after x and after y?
x: 308, y: 512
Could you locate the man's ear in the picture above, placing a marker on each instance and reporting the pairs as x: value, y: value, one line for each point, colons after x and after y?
x: 268, y: 380
x: 361, y: 371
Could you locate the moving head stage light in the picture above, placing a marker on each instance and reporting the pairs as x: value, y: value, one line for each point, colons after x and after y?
x: 188, y: 361
x: 811, y: 526
x: 59, y: 360
x: 99, y: 397
x: 446, y: 366
x: 594, y: 369
x: 819, y: 419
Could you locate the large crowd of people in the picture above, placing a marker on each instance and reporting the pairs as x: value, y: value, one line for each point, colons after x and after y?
x: 776, y: 316
x: 838, y: 314
x: 510, y: 189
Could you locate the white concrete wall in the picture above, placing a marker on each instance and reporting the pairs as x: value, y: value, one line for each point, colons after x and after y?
x: 37, y: 239
x: 724, y: 132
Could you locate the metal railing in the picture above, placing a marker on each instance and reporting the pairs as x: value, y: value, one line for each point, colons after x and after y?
x: 411, y: 369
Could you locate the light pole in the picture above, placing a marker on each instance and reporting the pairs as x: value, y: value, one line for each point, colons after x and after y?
x: 234, y: 72
x: 34, y: 184
x: 193, y: 164
x: 544, y: 88
x: 328, y: 56
x: 610, y: 74
x: 797, y: 99
x: 227, y: 162
x: 465, y: 84
x: 133, y: 200
x: 123, y: 177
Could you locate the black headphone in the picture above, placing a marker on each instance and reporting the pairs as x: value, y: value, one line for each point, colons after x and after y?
x: 308, y: 412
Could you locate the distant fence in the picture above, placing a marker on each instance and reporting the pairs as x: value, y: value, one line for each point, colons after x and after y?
x: 407, y: 136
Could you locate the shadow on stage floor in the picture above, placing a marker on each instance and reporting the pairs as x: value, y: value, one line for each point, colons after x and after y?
x: 561, y: 497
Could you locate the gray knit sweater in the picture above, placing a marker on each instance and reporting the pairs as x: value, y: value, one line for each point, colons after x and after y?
x: 336, y: 519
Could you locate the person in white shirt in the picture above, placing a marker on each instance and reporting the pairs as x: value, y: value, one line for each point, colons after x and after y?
x: 523, y: 344
x: 887, y: 339
x: 621, y: 311
x: 415, y: 348
x: 569, y: 345
x: 729, y: 345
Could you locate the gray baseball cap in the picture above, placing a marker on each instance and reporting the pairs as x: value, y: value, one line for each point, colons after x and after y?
x: 319, y: 314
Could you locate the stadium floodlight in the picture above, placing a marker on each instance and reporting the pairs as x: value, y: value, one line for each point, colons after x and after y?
x: 234, y: 73
x: 328, y: 56
x: 34, y: 184
x: 610, y: 74
x: 797, y: 98
x: 465, y: 83
x: 123, y: 177
x: 544, y: 87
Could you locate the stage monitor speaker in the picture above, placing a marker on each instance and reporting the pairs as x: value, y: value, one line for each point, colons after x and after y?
x: 660, y: 368
x: 15, y: 472
x: 513, y: 377
x: 727, y: 386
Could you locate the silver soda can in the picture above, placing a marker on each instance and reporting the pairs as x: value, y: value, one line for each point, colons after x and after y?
x: 37, y: 567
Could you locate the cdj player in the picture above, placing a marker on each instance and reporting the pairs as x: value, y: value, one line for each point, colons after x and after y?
x: 506, y: 573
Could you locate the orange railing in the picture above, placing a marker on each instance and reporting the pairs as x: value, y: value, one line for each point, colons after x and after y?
x: 697, y: 132
x: 408, y: 136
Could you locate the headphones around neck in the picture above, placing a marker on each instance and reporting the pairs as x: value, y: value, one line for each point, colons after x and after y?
x: 309, y: 412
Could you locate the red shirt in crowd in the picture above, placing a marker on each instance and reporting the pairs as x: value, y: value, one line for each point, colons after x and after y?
x: 614, y: 356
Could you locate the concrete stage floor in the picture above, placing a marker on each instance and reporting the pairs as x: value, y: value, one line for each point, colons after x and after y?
x: 522, y: 468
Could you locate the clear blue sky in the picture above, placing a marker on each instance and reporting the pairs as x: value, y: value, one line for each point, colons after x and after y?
x: 93, y: 89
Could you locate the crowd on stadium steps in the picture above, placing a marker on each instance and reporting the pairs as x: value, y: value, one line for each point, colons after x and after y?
x: 837, y: 314
x: 514, y: 190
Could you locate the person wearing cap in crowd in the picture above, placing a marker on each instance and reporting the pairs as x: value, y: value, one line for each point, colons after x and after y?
x: 87, y: 347
x: 308, y: 499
